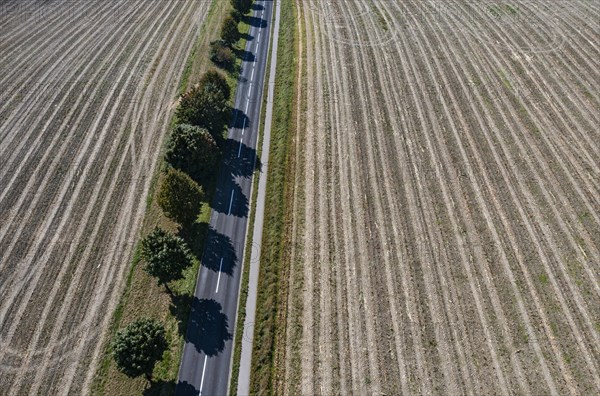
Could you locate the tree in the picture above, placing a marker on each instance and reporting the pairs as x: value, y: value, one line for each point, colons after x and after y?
x: 192, y: 150
x: 221, y: 55
x: 180, y: 197
x: 138, y: 347
x: 243, y: 6
x: 213, y: 80
x: 229, y: 31
x: 166, y: 256
x: 205, y: 107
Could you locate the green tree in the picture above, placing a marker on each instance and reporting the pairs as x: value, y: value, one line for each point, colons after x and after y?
x: 229, y: 31
x: 138, y: 347
x: 215, y: 81
x: 193, y: 150
x: 166, y: 256
x: 180, y: 197
x: 221, y: 55
x: 243, y: 6
x: 205, y: 107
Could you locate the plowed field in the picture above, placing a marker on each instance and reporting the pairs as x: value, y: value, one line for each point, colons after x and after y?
x: 447, y: 212
x: 86, y: 92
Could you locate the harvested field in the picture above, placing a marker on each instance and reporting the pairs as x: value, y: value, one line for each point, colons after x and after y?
x: 446, y: 234
x: 86, y: 94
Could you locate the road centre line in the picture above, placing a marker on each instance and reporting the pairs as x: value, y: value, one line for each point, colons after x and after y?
x: 240, y: 149
x: 230, y: 202
x: 247, y: 103
x: 243, y: 126
x: 203, y: 370
x: 219, y: 278
x: 251, y: 78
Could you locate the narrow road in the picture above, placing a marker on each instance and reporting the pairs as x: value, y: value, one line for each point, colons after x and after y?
x: 206, y: 360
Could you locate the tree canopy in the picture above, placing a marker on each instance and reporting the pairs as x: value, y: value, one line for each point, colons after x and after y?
x: 180, y: 197
x: 206, y: 107
x: 193, y: 150
x: 243, y: 6
x: 229, y: 30
x: 166, y: 256
x: 137, y: 347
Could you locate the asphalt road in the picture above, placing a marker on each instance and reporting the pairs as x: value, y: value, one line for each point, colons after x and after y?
x: 206, y: 359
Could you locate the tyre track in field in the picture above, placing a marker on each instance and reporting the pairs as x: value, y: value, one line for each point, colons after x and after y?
x: 121, y: 162
x: 73, y: 287
x: 432, y: 163
x: 33, y: 61
x: 165, y: 97
x: 60, y: 154
x: 106, y: 65
x: 33, y: 97
x: 552, y: 242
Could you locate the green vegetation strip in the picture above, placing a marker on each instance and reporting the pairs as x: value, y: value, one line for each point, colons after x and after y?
x: 272, y: 288
x: 142, y: 296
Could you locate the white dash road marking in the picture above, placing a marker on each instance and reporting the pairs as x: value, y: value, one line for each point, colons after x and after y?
x: 251, y: 78
x: 247, y: 103
x: 203, y: 370
x: 244, y: 127
x: 230, y: 202
x: 219, y: 278
x: 240, y: 149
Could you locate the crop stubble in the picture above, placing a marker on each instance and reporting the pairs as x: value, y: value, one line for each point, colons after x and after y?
x: 87, y: 93
x: 447, y: 190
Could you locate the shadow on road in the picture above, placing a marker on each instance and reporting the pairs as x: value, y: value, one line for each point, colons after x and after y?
x: 208, y: 327
x: 239, y: 159
x: 223, y: 200
x: 256, y: 22
x: 185, y: 389
x: 219, y: 246
x: 239, y: 120
x: 244, y: 55
x: 257, y: 7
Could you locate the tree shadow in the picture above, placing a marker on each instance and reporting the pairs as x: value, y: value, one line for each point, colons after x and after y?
x: 160, y: 387
x: 185, y: 389
x: 208, y: 327
x: 219, y: 247
x: 239, y: 159
x: 180, y: 309
x: 257, y: 7
x: 255, y: 21
x: 194, y: 236
x: 229, y: 198
x: 239, y: 120
x: 246, y: 36
x: 244, y: 55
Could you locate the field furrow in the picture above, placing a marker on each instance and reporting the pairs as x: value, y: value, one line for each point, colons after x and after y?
x: 81, y: 158
x: 450, y: 228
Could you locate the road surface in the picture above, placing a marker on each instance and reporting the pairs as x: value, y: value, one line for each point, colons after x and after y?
x: 206, y: 359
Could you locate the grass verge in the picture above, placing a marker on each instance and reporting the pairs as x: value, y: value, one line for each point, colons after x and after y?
x: 142, y: 297
x: 272, y: 284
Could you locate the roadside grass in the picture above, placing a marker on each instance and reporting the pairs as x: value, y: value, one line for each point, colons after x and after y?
x: 272, y: 283
x: 142, y: 296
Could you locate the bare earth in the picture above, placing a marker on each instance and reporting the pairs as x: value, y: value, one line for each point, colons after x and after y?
x: 447, y: 211
x: 86, y: 92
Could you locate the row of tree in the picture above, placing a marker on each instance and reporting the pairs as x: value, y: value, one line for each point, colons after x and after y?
x: 193, y: 151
